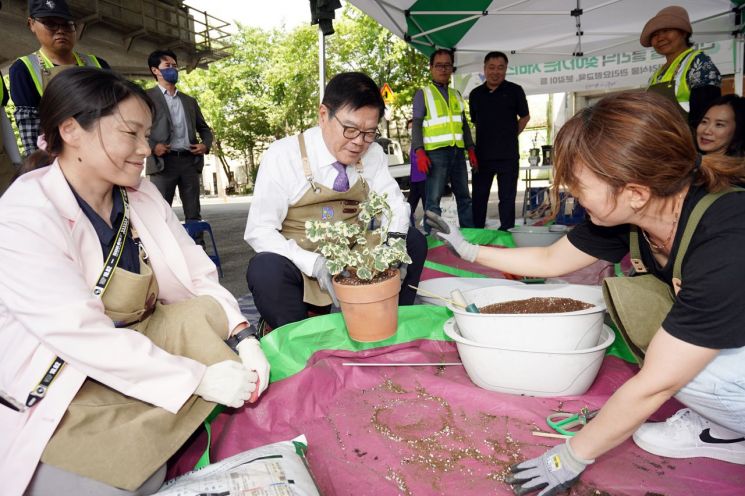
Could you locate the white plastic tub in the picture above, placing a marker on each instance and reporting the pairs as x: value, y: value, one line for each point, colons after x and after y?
x: 537, y: 235
x: 535, y: 331
x: 442, y: 286
x: 532, y: 373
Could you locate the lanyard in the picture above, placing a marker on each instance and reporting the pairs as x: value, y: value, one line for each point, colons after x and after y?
x: 112, y: 260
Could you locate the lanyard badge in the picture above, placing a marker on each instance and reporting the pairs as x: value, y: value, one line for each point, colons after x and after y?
x: 112, y: 260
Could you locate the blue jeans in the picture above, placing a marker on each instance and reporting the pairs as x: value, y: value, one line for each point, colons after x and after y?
x: 718, y: 392
x: 448, y: 164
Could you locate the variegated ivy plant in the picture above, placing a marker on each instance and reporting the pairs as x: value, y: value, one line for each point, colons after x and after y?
x: 352, y: 247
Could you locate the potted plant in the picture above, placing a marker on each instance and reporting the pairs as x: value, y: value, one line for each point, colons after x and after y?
x: 364, y: 261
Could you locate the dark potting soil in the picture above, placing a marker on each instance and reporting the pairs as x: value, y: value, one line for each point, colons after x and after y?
x: 550, y: 304
x: 354, y: 281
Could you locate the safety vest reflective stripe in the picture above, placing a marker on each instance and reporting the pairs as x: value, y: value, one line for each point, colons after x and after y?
x: 430, y: 103
x: 442, y: 137
x: 35, y: 61
x: 442, y: 120
x: 678, y: 70
x: 443, y: 123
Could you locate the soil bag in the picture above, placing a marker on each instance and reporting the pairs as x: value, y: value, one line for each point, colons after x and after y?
x: 276, y: 469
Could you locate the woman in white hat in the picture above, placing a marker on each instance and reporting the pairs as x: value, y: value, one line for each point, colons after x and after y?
x: 688, y: 76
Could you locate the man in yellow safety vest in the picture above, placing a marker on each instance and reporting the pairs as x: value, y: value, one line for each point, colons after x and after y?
x: 54, y: 28
x: 10, y: 159
x: 440, y: 135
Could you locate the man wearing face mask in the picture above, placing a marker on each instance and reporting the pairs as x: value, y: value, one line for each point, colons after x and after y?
x: 177, y: 158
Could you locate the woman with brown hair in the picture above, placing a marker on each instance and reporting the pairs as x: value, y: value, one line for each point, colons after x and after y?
x: 632, y: 164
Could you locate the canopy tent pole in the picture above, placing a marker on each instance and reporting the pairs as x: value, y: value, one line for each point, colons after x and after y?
x: 322, y: 12
x: 321, y: 64
x: 738, y: 63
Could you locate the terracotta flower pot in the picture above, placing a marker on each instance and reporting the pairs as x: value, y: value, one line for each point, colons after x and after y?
x: 370, y: 310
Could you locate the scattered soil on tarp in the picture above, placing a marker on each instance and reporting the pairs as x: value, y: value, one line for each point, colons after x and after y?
x: 434, y: 441
x: 355, y: 281
x: 544, y: 304
x: 583, y: 489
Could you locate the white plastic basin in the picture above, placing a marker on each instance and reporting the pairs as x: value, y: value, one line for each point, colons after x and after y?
x: 532, y: 373
x: 442, y: 286
x: 537, y: 235
x: 534, y: 331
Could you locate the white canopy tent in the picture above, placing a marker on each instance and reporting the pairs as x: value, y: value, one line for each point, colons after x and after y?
x: 541, y: 31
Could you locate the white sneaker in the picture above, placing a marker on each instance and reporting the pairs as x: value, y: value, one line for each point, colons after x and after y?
x: 688, y: 435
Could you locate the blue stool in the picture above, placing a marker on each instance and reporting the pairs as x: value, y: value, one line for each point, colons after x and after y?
x: 197, y: 227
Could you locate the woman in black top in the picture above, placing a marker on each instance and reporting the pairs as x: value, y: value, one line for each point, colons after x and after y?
x: 630, y: 161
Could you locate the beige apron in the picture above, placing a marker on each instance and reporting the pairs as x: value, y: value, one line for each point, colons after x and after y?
x: 666, y: 89
x: 48, y: 73
x: 321, y: 203
x: 638, y: 305
x: 116, y: 439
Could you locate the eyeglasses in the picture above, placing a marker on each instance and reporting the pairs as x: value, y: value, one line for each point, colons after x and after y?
x: 443, y: 67
x: 351, y: 132
x: 53, y: 27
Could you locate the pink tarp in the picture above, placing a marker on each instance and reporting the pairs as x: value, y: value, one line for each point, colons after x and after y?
x: 427, y: 430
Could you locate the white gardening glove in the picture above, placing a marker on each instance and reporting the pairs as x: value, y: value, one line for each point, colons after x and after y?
x: 253, y: 358
x: 452, y: 236
x: 322, y: 274
x: 551, y: 473
x: 227, y: 383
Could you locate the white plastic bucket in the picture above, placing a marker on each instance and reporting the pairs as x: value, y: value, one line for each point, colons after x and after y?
x: 533, y: 373
x: 535, y: 331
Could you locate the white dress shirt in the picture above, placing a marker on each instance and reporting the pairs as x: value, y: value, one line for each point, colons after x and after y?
x: 281, y: 183
x: 180, y: 133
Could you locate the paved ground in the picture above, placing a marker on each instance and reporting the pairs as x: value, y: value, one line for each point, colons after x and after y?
x: 228, y: 221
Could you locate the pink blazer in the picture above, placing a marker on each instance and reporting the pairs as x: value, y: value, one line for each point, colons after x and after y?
x: 50, y: 258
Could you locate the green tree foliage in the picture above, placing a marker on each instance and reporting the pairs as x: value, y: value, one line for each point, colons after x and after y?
x: 267, y: 87
x: 233, y: 96
x: 292, y: 78
x: 361, y: 44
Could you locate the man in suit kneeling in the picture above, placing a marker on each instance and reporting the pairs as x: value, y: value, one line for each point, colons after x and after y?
x: 177, y: 158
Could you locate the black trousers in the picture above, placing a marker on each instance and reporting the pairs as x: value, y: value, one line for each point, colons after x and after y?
x: 507, y: 172
x: 180, y: 171
x: 417, y: 192
x: 277, y: 284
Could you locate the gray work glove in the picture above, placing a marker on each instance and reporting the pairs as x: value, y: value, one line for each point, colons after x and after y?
x: 551, y: 473
x: 402, y: 270
x: 452, y: 236
x: 323, y: 276
x: 227, y: 383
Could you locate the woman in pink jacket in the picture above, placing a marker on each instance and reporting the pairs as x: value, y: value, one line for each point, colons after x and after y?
x: 113, y: 327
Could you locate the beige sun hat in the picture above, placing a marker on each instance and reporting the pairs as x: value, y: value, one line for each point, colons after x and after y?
x: 673, y: 17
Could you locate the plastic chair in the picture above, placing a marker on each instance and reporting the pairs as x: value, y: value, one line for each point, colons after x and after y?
x: 195, y: 228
